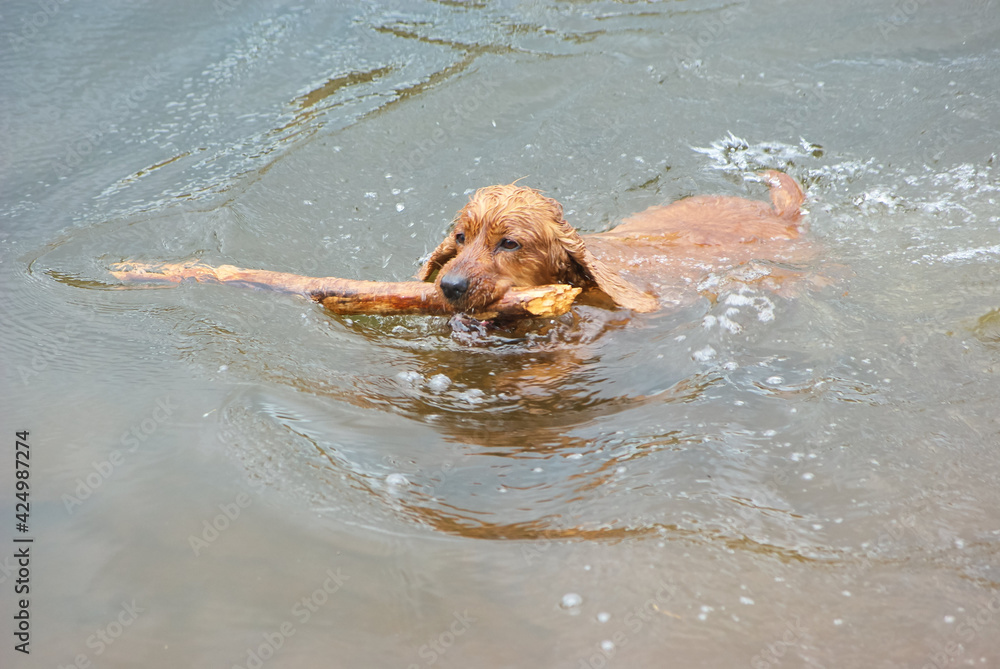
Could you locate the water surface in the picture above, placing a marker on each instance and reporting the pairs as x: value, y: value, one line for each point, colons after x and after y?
x: 798, y: 479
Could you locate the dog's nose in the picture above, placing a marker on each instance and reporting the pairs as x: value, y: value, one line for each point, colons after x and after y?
x: 454, y: 286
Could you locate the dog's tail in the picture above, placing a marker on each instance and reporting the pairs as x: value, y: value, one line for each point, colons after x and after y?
x: 786, y: 195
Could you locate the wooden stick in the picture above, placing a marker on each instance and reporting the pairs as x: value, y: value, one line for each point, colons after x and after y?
x: 346, y: 296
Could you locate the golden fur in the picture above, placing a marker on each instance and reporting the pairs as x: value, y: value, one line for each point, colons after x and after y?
x: 509, y: 236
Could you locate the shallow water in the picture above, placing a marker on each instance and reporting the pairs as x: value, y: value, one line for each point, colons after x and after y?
x: 800, y: 479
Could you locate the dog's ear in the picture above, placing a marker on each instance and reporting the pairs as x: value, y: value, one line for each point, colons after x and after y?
x: 445, y: 251
x: 623, y: 293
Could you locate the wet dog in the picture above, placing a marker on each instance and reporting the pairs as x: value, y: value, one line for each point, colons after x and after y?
x: 511, y: 236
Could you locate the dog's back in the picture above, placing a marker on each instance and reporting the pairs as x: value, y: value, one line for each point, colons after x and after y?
x: 714, y: 220
x: 664, y: 249
x: 512, y: 236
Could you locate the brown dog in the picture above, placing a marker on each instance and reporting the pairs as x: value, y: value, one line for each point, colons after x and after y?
x: 510, y: 236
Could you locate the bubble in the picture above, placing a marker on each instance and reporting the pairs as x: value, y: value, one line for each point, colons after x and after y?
x: 603, y: 617
x: 472, y: 396
x: 704, y: 354
x: 411, y: 378
x: 571, y: 602
x: 439, y: 383
x: 396, y: 480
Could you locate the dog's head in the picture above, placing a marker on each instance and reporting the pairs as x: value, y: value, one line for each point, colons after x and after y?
x: 510, y: 236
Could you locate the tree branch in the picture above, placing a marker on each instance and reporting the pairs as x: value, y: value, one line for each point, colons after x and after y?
x: 347, y: 296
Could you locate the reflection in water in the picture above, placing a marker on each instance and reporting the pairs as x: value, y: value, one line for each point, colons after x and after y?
x: 593, y: 426
x: 586, y: 427
x: 816, y: 458
x: 560, y: 494
x: 508, y: 439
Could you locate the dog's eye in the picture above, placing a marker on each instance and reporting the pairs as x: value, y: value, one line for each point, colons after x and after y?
x: 459, y: 238
x: 508, y: 245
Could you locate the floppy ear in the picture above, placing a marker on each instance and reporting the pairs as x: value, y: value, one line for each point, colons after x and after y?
x: 445, y: 251
x: 609, y: 281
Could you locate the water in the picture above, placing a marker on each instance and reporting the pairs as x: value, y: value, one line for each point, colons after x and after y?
x: 224, y: 478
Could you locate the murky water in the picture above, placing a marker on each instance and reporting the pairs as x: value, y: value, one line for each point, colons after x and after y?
x: 230, y: 478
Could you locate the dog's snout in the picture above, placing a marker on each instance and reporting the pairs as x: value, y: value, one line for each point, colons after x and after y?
x: 454, y: 286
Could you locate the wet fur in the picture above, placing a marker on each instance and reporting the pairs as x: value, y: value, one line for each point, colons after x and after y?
x: 648, y: 255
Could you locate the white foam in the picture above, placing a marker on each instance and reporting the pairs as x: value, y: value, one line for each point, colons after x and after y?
x: 735, y: 154
x: 969, y: 254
